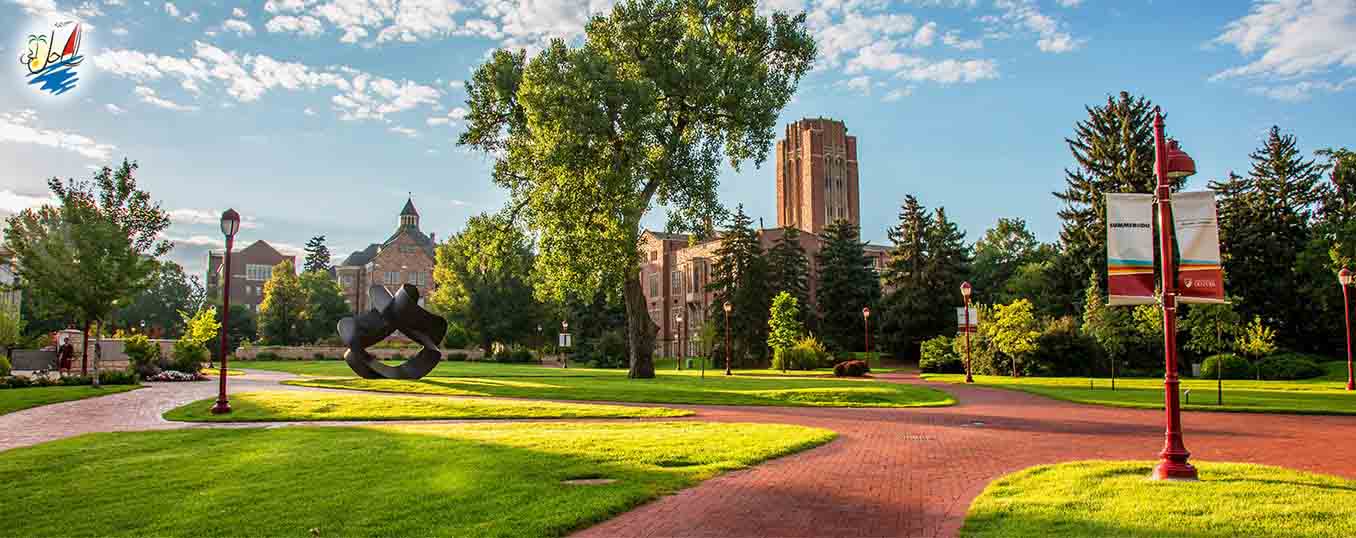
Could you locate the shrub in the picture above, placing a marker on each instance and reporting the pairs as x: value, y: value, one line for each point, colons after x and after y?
x: 938, y: 355
x: 143, y: 355
x: 188, y: 356
x: 1234, y: 367
x: 795, y: 358
x: 267, y: 356
x: 608, y: 350
x: 5, y: 368
x: 521, y: 355
x: 457, y: 356
x: 1061, y: 350
x: 457, y: 337
x: 851, y: 369
x: 110, y: 377
x: 1289, y: 366
x: 18, y: 382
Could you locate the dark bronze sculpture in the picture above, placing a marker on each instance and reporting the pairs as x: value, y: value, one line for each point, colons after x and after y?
x: 389, y: 314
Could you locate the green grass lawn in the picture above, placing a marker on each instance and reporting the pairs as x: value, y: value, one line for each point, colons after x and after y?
x: 12, y: 400
x: 1324, y: 395
x: 1099, y: 499
x: 214, y: 372
x: 489, y: 379
x: 302, y: 405
x: 495, y: 369
x: 483, y: 480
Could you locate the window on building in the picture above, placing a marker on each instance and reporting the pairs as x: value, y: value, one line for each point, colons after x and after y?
x: 391, y: 278
x: 676, y: 282
x: 654, y: 284
x: 258, y: 272
x: 347, y: 280
x: 409, y: 249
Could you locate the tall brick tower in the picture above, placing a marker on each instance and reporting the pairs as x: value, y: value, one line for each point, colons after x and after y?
x: 817, y: 175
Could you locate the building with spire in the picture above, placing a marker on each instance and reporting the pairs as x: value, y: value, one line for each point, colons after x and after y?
x: 406, y: 257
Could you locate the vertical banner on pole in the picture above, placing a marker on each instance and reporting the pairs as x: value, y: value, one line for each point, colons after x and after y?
x: 1130, y: 248
x: 1199, y: 277
x: 961, y: 319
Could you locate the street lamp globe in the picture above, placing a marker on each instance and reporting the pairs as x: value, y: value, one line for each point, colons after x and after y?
x: 727, y: 306
x: 564, y: 325
x: 1180, y: 164
x: 965, y: 289
x: 866, y: 312
x: 230, y: 223
x: 1345, y: 276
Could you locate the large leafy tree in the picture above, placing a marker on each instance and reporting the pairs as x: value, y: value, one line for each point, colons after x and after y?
x: 317, y: 255
x: 847, y: 282
x: 281, y: 317
x: 95, y: 248
x: 325, y: 306
x: 485, y: 283
x: 999, y: 256
x: 1113, y: 151
x: 587, y: 139
x: 789, y: 271
x: 11, y: 330
x: 741, y: 278
x: 1265, y: 223
x: 158, y: 306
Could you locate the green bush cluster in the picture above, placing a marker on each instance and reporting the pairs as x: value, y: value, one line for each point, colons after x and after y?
x: 1061, y: 349
x: 5, y: 368
x: 1227, y: 366
x: 507, y: 355
x: 808, y: 354
x: 608, y: 350
x: 188, y: 356
x: 143, y: 355
x: 1289, y: 366
x: 111, y: 377
x: 938, y: 356
x: 456, y: 356
x: 267, y: 356
x: 457, y: 337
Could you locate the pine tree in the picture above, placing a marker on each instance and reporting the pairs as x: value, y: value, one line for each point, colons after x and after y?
x: 317, y: 255
x: 789, y: 271
x: 1114, y: 152
x: 1265, y: 224
x: 847, y: 283
x: 927, y: 265
x: 741, y: 278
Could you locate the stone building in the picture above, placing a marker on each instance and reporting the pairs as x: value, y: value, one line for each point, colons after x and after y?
x: 407, y: 256
x: 250, y: 268
x: 817, y: 185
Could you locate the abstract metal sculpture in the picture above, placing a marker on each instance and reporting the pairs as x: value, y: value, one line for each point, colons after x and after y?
x: 389, y: 314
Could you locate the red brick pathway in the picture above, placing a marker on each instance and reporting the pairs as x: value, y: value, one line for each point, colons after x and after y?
x: 914, y: 472
x: 891, y: 472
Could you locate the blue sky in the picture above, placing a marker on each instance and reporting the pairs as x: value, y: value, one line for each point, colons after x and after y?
x: 318, y: 116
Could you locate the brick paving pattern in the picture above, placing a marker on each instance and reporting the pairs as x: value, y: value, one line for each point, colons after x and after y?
x: 891, y: 472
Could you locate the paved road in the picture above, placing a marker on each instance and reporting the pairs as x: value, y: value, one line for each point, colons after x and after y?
x: 892, y: 472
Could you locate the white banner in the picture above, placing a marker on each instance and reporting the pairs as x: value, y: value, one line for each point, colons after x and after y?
x: 1129, y: 248
x: 1199, y: 277
x: 960, y: 316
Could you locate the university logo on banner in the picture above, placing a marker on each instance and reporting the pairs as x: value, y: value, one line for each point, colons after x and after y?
x: 1199, y: 277
x: 1130, y: 248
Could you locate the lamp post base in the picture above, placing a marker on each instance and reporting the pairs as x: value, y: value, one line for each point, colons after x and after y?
x: 1173, y: 470
x: 969, y: 379
x: 1351, y: 386
x: 222, y: 407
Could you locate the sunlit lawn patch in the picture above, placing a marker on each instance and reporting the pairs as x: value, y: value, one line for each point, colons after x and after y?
x: 315, y: 405
x: 12, y: 400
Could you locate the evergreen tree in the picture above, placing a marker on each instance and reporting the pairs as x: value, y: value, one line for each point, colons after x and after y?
x: 1111, y: 326
x: 928, y: 263
x: 741, y: 278
x: 1265, y: 224
x: 281, y: 314
x: 847, y: 283
x: 1113, y: 151
x: 317, y: 255
x: 789, y: 271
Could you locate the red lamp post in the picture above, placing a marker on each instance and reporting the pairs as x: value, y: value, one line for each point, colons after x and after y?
x: 866, y: 326
x: 965, y: 293
x: 230, y: 224
x: 1170, y: 162
x: 727, y: 306
x: 1345, y: 277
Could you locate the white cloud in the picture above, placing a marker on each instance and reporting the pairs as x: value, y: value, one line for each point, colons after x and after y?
x: 12, y: 202
x: 171, y: 9
x: 404, y: 131
x: 308, y: 111
x: 437, y: 120
x: 1024, y: 15
x: 304, y: 25
x: 114, y: 109
x: 120, y: 31
x: 952, y: 39
x: 148, y: 96
x: 17, y: 127
x: 238, y: 13
x: 1303, y: 90
x: 926, y: 35
x: 897, y: 94
x: 240, y: 27
x: 1070, y: 3
x: 1293, y: 37
x: 951, y: 71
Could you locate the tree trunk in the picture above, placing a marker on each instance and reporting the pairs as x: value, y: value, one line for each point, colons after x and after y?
x: 84, y: 349
x: 98, y: 350
x: 639, y: 329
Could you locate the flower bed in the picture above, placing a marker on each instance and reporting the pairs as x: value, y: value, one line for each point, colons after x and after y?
x: 175, y: 376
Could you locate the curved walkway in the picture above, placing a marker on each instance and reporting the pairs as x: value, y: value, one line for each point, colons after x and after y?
x: 891, y: 472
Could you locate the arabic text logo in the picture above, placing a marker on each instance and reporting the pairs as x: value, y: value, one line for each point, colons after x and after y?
x: 50, y: 70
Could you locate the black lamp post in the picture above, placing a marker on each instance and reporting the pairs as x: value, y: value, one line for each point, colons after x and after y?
x: 564, y: 360
x: 965, y: 293
x: 230, y: 224
x: 727, y: 306
x: 678, y: 335
x: 1345, y: 277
